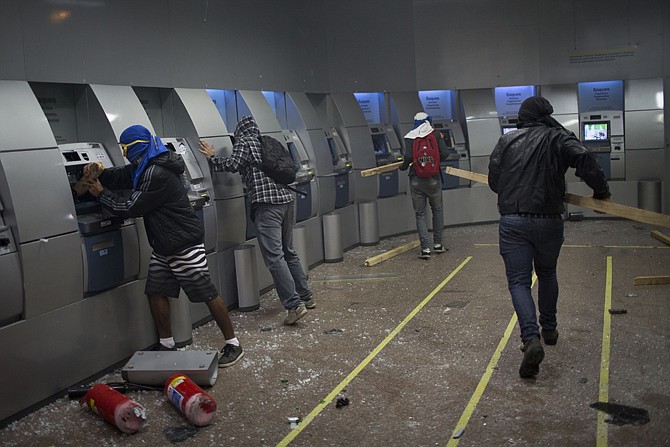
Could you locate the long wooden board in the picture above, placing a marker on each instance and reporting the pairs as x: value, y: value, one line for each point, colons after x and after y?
x: 391, y: 253
x: 651, y: 280
x: 661, y: 237
x: 629, y: 212
x: 381, y: 169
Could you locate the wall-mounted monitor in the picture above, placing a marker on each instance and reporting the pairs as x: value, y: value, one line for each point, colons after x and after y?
x: 595, y: 131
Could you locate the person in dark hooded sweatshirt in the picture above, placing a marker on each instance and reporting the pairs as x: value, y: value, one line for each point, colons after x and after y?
x: 272, y: 211
x: 527, y: 170
x: 175, y: 234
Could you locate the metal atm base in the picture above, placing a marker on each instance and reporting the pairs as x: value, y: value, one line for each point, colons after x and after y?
x: 154, y: 367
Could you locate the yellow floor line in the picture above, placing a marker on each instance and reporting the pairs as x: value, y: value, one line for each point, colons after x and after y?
x: 661, y: 247
x: 324, y: 403
x: 603, y: 387
x: 483, y: 382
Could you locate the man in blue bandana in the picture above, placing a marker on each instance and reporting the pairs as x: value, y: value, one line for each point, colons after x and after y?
x: 175, y: 234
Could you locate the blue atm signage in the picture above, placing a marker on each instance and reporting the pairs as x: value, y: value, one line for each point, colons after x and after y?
x: 605, y: 95
x: 509, y: 99
x: 437, y: 103
x: 369, y: 103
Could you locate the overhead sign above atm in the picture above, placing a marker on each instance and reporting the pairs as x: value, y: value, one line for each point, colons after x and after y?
x: 509, y: 99
x: 438, y: 103
x: 605, y: 95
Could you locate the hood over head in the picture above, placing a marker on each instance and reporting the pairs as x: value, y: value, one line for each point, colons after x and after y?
x: 247, y: 127
x: 536, y: 110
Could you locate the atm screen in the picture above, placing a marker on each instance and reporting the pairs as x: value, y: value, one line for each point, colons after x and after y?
x: 380, y: 144
x: 294, y: 154
x: 448, y: 137
x: 334, y: 155
x: 508, y: 129
x: 596, y: 131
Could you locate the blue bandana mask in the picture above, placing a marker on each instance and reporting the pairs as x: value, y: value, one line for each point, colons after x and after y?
x: 139, y: 147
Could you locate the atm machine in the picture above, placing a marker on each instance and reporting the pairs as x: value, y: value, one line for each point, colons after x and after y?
x: 387, y: 150
x: 306, y: 201
x: 459, y: 157
x: 101, y: 240
x: 196, y: 191
x: 342, y: 167
x: 385, y: 143
x: 602, y: 134
x: 339, y: 119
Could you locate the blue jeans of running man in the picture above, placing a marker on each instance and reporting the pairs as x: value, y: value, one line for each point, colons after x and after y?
x: 274, y: 231
x: 427, y: 190
x: 527, y: 242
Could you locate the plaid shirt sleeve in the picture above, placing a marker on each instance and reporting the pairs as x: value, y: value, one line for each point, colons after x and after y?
x: 245, y: 158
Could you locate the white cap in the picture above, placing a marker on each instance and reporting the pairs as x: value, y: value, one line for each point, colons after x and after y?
x: 421, y: 116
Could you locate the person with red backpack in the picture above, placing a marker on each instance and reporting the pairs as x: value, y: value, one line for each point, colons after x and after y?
x: 424, y: 148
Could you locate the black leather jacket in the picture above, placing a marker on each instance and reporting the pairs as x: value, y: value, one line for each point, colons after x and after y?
x: 527, y: 169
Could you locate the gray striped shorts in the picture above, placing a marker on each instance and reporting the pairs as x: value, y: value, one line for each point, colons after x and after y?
x: 187, y: 270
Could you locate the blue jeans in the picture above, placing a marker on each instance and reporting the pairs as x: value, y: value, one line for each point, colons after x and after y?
x: 527, y: 242
x: 274, y: 231
x: 427, y: 190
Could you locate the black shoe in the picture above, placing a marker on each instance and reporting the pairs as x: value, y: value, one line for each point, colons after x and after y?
x: 533, y: 354
x: 230, y: 355
x: 550, y: 336
x: 439, y: 248
x: 160, y: 347
x: 425, y: 253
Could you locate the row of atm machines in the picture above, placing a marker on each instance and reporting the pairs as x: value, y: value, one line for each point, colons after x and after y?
x: 73, y: 274
x: 71, y: 269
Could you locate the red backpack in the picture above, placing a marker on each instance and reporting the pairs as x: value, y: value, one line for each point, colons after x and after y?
x: 426, y: 156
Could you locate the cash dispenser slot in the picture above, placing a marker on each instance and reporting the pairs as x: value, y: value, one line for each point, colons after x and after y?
x: 100, y: 230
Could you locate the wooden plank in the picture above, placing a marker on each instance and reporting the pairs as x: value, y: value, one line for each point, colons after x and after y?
x: 391, y: 253
x: 661, y: 237
x: 474, y: 176
x: 628, y: 212
x: 651, y: 280
x: 381, y: 169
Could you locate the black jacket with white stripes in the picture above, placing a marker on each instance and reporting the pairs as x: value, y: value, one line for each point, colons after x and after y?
x: 169, y: 219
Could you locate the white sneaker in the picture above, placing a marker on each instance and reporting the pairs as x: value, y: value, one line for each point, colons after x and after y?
x: 293, y: 315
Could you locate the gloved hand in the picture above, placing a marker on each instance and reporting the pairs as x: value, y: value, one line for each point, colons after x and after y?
x: 93, y: 170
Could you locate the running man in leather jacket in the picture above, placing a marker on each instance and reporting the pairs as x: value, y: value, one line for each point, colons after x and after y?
x: 527, y: 170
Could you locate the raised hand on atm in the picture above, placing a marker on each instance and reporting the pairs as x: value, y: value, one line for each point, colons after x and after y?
x: 206, y: 149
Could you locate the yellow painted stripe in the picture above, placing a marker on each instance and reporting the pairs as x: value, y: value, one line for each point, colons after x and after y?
x: 355, y: 279
x: 658, y: 247
x: 324, y: 403
x: 483, y: 382
x: 603, y: 387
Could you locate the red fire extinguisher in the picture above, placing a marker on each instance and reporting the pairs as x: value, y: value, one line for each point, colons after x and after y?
x: 123, y: 413
x: 198, y: 406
